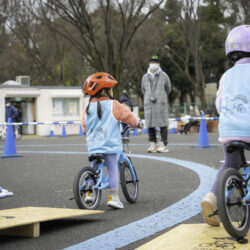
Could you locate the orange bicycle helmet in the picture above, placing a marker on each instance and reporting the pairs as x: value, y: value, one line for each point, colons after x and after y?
x: 98, y: 81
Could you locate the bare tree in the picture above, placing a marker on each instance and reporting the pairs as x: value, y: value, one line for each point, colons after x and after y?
x: 240, y: 8
x: 3, y: 32
x: 44, y: 50
x: 189, y: 23
x: 101, y: 30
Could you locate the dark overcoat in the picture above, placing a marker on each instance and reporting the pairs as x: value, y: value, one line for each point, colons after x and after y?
x: 11, y: 112
x: 156, y: 113
x: 126, y: 100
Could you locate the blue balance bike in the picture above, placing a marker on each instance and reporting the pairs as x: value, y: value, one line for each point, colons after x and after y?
x: 94, y: 181
x: 233, y: 194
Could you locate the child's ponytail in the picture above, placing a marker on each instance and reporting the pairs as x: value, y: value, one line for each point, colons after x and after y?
x: 99, y: 110
x: 87, y: 109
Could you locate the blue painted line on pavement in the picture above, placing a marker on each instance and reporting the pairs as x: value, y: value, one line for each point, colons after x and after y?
x: 168, y: 217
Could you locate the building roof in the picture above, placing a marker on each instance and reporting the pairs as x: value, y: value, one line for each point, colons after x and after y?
x: 11, y: 83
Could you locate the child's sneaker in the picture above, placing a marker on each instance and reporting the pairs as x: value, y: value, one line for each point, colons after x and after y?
x: 89, y: 197
x: 114, y: 202
x: 5, y: 193
x: 209, y: 206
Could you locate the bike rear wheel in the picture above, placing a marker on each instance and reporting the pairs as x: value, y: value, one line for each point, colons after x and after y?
x: 233, y: 213
x: 130, y: 187
x: 83, y: 183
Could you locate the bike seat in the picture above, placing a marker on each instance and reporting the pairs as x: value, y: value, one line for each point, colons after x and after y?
x: 98, y: 157
x: 236, y: 145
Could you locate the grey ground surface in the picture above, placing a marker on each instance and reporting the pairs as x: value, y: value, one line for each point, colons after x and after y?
x: 43, y: 179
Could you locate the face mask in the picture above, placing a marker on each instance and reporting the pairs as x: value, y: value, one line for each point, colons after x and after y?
x: 154, y: 66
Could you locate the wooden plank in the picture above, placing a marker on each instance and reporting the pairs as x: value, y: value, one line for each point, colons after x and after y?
x: 31, y: 230
x: 195, y: 236
x: 32, y: 216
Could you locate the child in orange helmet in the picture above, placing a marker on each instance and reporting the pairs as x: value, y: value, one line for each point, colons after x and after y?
x: 101, y: 124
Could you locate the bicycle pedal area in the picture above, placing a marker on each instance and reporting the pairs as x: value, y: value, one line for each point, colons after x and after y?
x: 195, y: 237
x: 25, y: 221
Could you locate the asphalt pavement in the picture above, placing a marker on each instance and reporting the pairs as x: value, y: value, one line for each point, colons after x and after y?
x: 43, y: 177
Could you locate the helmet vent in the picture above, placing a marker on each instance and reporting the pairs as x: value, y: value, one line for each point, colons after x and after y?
x: 99, y: 77
x: 95, y: 85
x: 110, y: 77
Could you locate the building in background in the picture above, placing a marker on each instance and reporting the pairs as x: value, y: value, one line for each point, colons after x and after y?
x: 43, y: 104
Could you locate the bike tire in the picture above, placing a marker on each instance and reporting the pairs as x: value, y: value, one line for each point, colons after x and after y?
x: 87, y: 174
x: 130, y: 187
x: 233, y: 214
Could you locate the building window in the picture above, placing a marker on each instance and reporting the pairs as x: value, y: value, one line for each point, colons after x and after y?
x: 65, y: 106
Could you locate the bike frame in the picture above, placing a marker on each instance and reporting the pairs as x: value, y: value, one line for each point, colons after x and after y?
x: 103, y: 181
x: 246, y: 178
x: 123, y: 157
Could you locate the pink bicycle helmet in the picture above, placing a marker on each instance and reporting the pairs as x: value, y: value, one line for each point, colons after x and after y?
x: 238, y: 39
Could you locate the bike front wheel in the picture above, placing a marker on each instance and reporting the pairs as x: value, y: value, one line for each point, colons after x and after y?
x: 83, y: 183
x: 130, y: 187
x: 233, y: 213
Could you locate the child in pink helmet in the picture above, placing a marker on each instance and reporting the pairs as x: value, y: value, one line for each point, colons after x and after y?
x: 233, y: 105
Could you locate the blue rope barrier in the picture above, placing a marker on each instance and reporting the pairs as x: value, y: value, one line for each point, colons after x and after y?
x: 78, y: 122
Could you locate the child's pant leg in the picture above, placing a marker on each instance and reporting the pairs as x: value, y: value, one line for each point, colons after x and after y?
x: 111, y: 163
x: 232, y: 160
x: 94, y: 166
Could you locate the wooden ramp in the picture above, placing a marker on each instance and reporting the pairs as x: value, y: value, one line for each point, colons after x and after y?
x: 25, y: 221
x: 195, y: 237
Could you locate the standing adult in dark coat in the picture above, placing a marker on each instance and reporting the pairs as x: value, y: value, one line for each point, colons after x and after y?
x: 156, y: 87
x: 10, y: 112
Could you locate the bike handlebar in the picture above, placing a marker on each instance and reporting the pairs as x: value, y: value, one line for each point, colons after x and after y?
x: 128, y: 127
x: 125, y: 130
